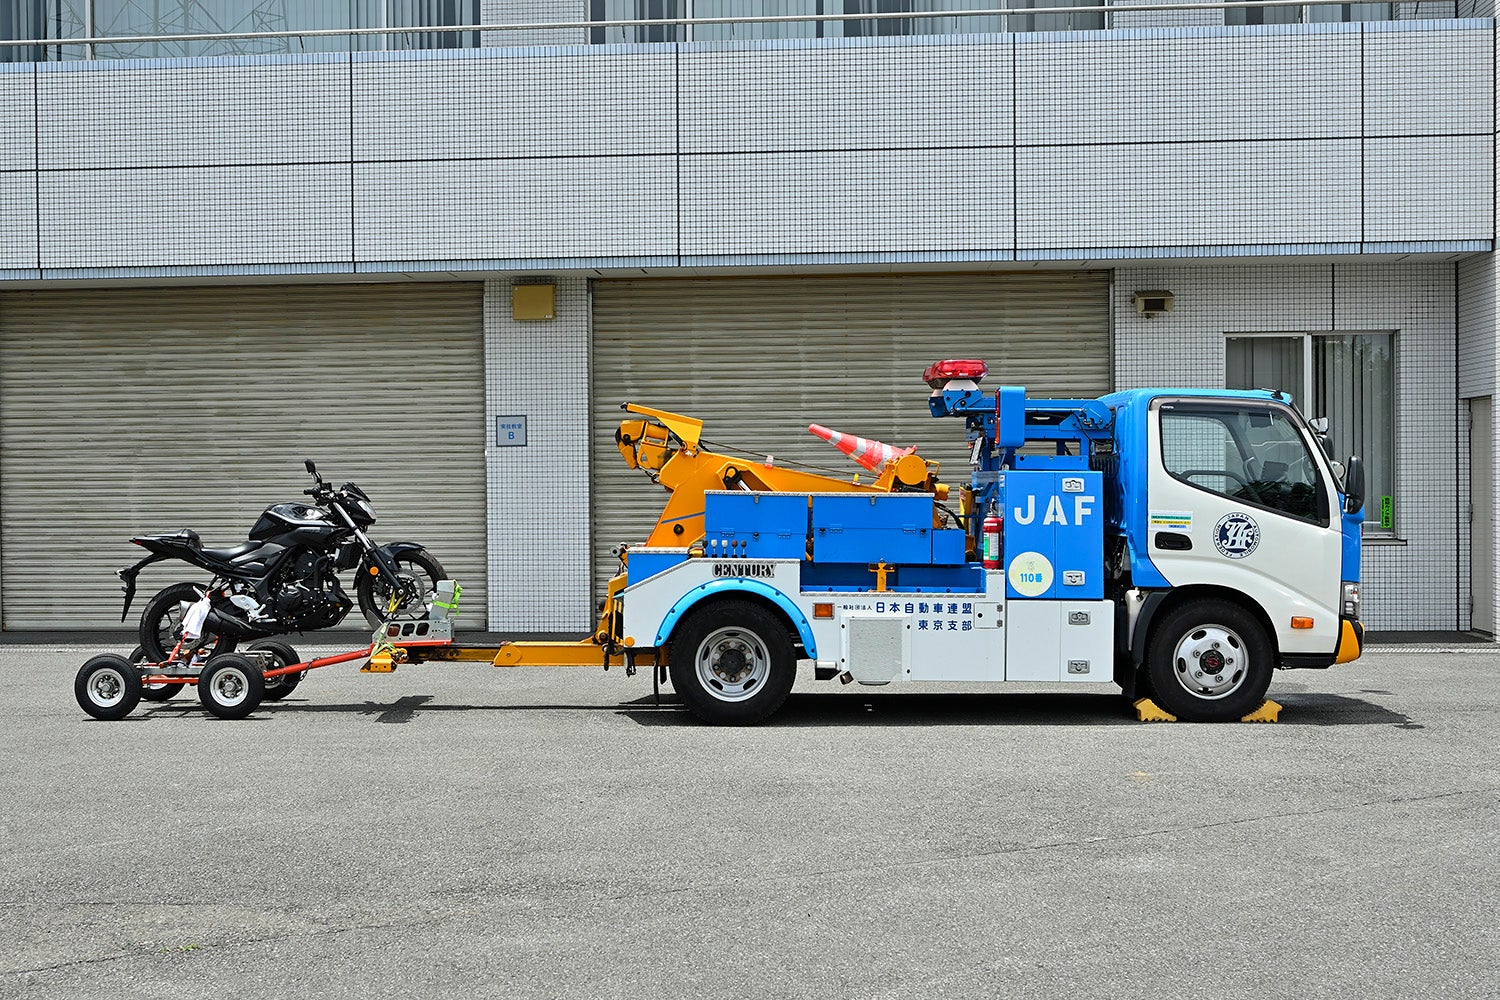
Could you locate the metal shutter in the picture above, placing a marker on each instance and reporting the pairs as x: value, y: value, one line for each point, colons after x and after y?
x: 151, y: 409
x: 760, y: 359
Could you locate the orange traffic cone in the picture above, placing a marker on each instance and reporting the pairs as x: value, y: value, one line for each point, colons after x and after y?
x: 869, y: 453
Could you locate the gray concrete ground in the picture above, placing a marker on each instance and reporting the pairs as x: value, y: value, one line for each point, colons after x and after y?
x: 459, y: 831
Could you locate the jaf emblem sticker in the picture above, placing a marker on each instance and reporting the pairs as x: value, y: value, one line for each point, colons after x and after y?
x: 1236, y: 535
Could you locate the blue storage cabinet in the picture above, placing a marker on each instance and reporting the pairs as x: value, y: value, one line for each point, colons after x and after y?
x: 757, y: 525
x: 872, y: 527
x: 1054, y: 535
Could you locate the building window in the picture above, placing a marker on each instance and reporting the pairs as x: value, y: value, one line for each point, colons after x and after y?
x: 1350, y: 378
x: 637, y: 10
x: 116, y: 18
x: 1316, y: 13
x: 630, y: 10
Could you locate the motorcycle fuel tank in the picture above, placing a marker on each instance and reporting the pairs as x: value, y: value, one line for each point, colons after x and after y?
x: 286, y: 518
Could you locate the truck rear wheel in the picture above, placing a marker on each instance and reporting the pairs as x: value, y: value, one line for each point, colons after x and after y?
x: 732, y: 662
x: 1209, y: 661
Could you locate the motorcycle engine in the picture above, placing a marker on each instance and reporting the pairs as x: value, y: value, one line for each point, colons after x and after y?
x: 313, y: 597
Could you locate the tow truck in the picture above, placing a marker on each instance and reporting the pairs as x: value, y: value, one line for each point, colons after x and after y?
x: 1179, y: 544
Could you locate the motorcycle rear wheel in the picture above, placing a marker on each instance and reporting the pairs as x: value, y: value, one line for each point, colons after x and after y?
x: 161, y: 623
x: 163, y: 691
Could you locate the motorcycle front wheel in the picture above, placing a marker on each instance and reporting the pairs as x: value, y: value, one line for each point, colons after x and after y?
x: 161, y: 623
x: 419, y: 573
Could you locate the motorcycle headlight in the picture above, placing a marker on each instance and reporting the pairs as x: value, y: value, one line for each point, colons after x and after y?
x: 364, y: 505
x: 1350, y: 602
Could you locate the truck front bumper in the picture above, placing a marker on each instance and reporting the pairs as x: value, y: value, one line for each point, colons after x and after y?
x: 1351, y: 639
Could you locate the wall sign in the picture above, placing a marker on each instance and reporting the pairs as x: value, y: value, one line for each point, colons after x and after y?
x: 510, y: 432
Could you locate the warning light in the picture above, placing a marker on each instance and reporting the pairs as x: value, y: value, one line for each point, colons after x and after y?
x: 822, y: 610
x: 374, y: 570
x: 940, y: 373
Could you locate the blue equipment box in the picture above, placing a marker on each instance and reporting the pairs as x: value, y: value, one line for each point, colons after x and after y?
x: 872, y: 527
x: 643, y: 563
x: 757, y: 525
x: 1054, y: 535
x: 948, y: 546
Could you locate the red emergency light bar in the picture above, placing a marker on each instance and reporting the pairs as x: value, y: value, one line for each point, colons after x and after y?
x: 940, y: 373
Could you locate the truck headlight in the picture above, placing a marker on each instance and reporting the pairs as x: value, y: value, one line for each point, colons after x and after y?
x: 1350, y: 600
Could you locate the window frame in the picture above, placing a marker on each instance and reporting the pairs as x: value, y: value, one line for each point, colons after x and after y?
x: 1371, y: 530
x: 1323, y: 502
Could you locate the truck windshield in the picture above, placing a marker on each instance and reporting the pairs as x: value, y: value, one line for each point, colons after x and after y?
x: 1251, y: 453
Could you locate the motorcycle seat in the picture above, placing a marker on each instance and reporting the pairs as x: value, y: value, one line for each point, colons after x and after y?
x: 232, y: 552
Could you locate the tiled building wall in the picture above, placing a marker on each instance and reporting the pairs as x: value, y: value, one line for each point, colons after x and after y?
x: 1420, y: 578
x: 1076, y: 146
x: 539, y: 494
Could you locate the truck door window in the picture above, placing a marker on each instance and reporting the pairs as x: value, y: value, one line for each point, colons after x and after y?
x: 1253, y: 454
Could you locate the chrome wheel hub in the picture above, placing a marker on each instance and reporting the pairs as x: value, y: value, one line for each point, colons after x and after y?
x: 1210, y: 662
x: 106, y: 688
x: 230, y: 687
x: 732, y: 663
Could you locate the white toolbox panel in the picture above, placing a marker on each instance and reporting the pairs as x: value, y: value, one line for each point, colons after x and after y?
x: 1053, y: 641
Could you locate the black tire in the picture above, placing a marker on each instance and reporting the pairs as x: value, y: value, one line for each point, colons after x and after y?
x: 277, y: 688
x: 108, y: 687
x: 161, y: 691
x: 1209, y: 661
x: 162, y: 620
x: 732, y: 662
x: 374, y: 592
x: 231, y: 686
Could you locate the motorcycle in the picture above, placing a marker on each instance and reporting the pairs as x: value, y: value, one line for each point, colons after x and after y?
x: 283, y: 578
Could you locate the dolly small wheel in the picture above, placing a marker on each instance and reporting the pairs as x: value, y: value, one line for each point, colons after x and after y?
x: 159, y: 691
x: 278, y: 688
x: 231, y: 686
x: 108, y: 687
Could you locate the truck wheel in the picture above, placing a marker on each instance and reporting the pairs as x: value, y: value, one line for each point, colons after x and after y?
x: 160, y: 691
x: 231, y: 686
x: 1209, y: 661
x: 278, y: 688
x: 732, y: 662
x: 108, y: 687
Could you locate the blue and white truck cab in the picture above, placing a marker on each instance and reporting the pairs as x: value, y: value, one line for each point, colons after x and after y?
x: 1180, y: 544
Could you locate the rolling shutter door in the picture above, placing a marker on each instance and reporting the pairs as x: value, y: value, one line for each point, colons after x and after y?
x: 760, y: 359
x: 144, y: 410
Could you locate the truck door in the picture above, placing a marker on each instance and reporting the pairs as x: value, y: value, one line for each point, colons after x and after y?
x: 1238, y: 497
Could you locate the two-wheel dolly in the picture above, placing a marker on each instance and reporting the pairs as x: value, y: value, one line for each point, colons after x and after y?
x: 231, y: 685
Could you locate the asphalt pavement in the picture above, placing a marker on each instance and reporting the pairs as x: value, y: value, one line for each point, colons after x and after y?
x: 464, y: 831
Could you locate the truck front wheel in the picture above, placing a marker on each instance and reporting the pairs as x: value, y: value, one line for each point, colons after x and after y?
x: 1209, y: 661
x: 732, y: 662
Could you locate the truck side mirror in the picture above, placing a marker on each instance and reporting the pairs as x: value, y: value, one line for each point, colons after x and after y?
x: 1354, y: 485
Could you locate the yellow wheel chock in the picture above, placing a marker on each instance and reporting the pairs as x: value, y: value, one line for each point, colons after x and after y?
x: 1147, y: 710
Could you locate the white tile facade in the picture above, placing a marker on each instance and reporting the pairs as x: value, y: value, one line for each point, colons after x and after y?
x: 1242, y: 141
x: 539, y: 494
x: 1114, y: 146
x: 17, y: 111
x: 140, y: 114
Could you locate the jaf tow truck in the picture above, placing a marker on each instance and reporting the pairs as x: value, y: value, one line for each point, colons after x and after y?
x: 1181, y: 544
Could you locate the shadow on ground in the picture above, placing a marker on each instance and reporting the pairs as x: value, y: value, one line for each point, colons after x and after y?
x: 807, y: 709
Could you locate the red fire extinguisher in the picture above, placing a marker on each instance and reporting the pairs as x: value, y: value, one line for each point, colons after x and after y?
x: 993, y: 526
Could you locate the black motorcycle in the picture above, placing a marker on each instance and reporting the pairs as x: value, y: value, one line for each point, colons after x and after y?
x: 284, y: 578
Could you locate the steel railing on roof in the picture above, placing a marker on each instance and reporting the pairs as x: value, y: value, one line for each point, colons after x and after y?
x: 1428, y: 9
